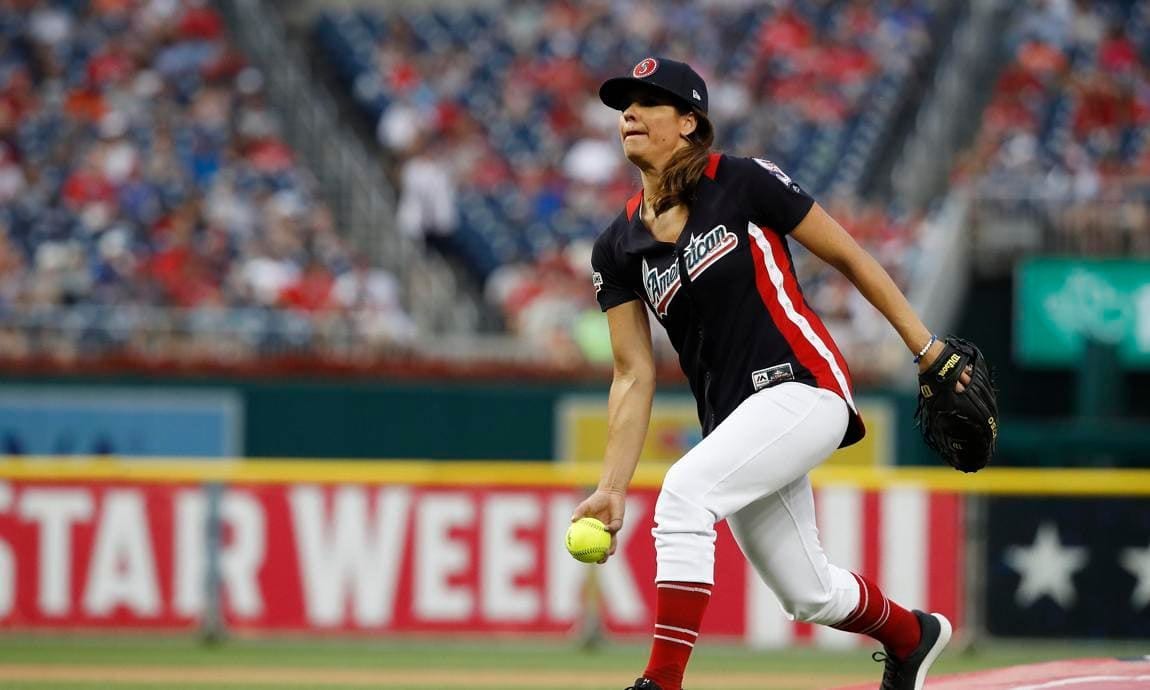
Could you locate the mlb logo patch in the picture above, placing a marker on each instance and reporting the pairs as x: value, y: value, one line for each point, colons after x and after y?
x: 765, y: 378
x: 778, y: 173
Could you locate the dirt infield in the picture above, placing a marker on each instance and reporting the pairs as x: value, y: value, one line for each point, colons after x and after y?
x: 409, y: 678
x: 1079, y: 674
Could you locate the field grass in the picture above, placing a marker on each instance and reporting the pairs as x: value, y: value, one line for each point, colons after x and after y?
x: 37, y: 662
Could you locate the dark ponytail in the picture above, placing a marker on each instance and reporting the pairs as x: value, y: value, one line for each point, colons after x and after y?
x: 680, y: 177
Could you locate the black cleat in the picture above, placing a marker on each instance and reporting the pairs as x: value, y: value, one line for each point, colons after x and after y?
x: 644, y: 684
x: 910, y: 673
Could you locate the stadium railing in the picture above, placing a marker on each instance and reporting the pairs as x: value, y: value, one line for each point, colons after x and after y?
x: 363, y: 198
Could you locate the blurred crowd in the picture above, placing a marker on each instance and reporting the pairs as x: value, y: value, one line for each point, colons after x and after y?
x: 1065, y: 138
x: 148, y: 202
x: 508, y: 163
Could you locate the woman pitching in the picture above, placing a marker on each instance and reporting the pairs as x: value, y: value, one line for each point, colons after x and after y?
x: 704, y: 247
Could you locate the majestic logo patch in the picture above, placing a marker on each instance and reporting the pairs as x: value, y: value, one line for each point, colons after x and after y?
x: 645, y: 68
x: 764, y: 378
x: 778, y: 173
x: 700, y: 254
x: 597, y: 281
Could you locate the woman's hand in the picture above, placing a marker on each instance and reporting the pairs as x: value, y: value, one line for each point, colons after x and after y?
x: 932, y: 354
x: 607, y: 507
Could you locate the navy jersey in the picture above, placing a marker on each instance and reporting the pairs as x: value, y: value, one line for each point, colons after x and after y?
x: 726, y: 291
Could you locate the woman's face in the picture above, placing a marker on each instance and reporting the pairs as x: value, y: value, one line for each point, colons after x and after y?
x: 652, y: 128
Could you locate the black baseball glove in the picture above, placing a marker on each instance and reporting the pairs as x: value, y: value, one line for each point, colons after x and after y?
x: 961, y: 427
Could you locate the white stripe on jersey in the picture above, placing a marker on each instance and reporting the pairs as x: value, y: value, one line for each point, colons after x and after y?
x: 776, y: 275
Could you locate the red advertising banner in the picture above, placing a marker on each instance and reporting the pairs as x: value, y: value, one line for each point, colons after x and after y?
x: 405, y: 558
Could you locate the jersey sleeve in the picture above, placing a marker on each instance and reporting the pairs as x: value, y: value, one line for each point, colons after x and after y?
x: 776, y: 200
x: 611, y: 289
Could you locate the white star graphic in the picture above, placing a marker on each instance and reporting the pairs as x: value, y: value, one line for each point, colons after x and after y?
x: 1137, y: 561
x: 1047, y: 567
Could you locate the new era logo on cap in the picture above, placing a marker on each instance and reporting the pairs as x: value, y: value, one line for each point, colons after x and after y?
x: 695, y: 93
x: 645, y: 68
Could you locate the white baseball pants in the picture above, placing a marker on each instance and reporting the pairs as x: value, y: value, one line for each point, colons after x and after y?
x: 752, y: 471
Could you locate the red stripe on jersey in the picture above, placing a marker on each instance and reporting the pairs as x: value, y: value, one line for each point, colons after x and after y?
x: 633, y: 204
x: 820, y: 328
x: 712, y: 165
x: 783, y: 261
x: 804, y: 350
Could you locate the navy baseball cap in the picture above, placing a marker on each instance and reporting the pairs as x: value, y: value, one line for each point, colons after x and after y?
x: 669, y: 76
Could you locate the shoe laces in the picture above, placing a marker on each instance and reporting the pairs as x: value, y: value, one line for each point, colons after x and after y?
x: 892, y: 670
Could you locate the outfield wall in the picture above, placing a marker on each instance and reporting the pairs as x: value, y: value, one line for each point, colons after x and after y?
x: 469, y: 550
x: 475, y: 548
x: 356, y: 418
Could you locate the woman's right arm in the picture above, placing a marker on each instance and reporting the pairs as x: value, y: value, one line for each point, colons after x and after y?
x: 628, y: 414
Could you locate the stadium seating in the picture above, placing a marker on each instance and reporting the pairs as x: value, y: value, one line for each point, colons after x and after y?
x: 140, y: 166
x: 1064, y: 140
x: 507, y: 92
x: 144, y: 187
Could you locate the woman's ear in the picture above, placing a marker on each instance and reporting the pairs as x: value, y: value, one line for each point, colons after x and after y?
x: 688, y: 123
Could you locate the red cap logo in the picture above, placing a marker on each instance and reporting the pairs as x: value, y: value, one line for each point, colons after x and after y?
x: 645, y: 68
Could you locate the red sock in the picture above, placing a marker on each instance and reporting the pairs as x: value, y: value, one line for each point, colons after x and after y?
x: 882, y: 619
x: 678, y: 613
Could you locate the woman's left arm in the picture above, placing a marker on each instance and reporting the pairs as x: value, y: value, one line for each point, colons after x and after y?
x: 826, y: 239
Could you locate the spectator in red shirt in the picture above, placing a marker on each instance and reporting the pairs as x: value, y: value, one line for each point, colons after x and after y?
x: 1117, y: 54
x: 87, y: 184
x: 312, y: 291
x: 200, y: 22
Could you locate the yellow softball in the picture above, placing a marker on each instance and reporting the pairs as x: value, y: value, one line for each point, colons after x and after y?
x: 588, y: 540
